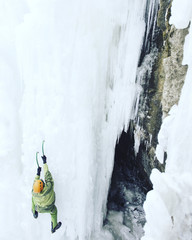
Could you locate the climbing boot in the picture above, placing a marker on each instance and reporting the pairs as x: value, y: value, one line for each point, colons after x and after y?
x: 56, y: 227
x: 35, y: 214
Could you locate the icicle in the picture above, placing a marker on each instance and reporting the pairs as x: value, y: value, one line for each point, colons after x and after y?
x: 151, y: 9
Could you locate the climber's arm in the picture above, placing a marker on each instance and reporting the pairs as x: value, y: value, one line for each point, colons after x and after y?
x: 37, y: 177
x: 48, y: 177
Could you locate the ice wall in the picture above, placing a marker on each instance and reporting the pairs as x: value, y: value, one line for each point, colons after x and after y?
x: 71, y: 81
x: 168, y: 206
x: 10, y: 125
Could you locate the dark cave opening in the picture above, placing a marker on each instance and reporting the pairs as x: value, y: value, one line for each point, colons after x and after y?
x: 128, y: 172
x: 128, y: 189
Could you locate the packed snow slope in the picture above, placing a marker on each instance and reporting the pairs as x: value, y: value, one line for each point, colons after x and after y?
x: 169, y: 206
x: 67, y: 75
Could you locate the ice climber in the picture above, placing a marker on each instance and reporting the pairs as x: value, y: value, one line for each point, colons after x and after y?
x: 43, y: 196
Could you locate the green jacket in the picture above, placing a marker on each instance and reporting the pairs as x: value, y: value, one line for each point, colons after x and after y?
x: 45, y: 200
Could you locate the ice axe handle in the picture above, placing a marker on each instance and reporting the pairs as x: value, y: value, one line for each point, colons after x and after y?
x: 43, y: 147
x: 37, y: 159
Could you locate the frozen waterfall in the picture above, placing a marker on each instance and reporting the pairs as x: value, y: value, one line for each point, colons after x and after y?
x: 68, y: 73
x: 71, y: 73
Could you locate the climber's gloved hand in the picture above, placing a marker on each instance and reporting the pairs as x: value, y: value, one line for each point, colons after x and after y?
x: 38, y: 171
x: 44, y: 159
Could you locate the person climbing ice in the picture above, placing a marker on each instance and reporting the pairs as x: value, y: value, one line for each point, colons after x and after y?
x: 43, y: 195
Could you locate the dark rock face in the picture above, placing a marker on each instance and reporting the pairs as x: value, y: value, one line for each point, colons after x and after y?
x: 160, y: 78
x: 148, y: 118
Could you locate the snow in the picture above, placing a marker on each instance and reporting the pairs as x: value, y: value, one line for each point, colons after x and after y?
x: 164, y: 133
x: 181, y: 13
x: 169, y: 205
x: 116, y: 221
x: 67, y: 75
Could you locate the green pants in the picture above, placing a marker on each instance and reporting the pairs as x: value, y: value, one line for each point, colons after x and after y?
x: 54, y: 216
x: 53, y: 213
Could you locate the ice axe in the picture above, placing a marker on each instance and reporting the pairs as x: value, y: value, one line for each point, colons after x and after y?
x: 43, y: 147
x: 37, y: 159
x: 38, y: 153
